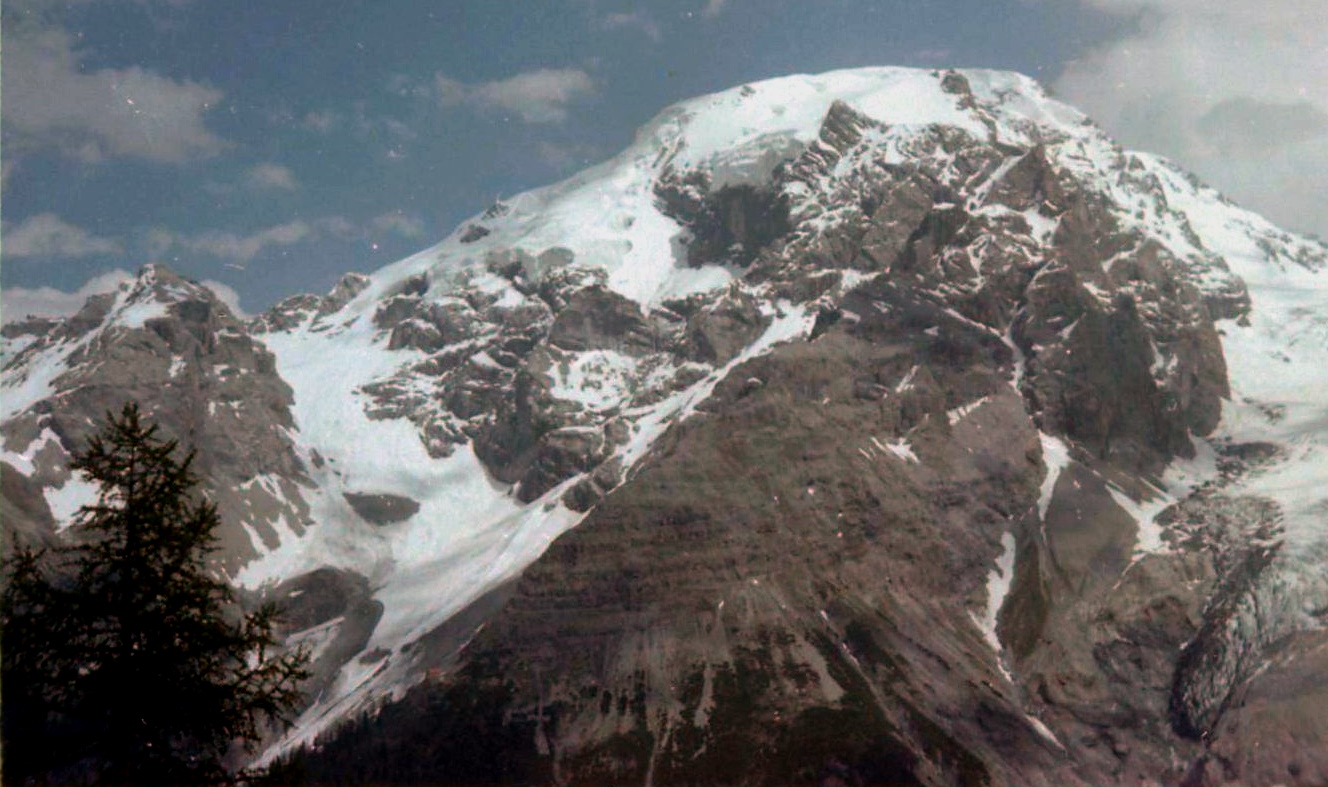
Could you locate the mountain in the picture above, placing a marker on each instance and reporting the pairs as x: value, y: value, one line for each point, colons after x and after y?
x: 879, y: 427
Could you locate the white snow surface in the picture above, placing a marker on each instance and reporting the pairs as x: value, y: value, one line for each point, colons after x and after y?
x: 66, y: 501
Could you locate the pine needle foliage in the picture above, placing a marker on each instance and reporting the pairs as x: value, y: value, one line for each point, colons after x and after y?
x: 125, y: 659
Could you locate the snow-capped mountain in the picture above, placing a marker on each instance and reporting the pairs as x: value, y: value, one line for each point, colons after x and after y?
x: 889, y: 421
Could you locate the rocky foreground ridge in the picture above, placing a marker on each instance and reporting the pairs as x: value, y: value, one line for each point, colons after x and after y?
x: 882, y: 427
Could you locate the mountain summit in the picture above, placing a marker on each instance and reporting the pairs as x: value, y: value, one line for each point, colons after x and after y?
x: 882, y: 426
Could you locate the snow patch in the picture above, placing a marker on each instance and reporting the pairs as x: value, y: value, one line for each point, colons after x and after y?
x: 961, y: 412
x: 596, y: 379
x: 67, y: 500
x: 1181, y: 477
x: 1056, y: 456
x: 900, y: 448
x: 998, y: 588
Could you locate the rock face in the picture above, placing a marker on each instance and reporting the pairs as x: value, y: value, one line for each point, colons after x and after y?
x: 936, y: 441
x: 195, y: 370
x: 382, y: 509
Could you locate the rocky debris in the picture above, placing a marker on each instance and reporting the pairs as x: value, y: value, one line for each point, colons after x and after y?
x: 560, y: 454
x: 841, y: 130
x: 425, y: 325
x: 902, y: 208
x: 318, y: 597
x: 1032, y: 183
x: 475, y: 347
x: 31, y: 326
x: 718, y: 645
x: 288, y: 313
x: 298, y: 309
x: 1224, y: 652
x: 590, y: 490
x: 382, y: 508
x: 548, y: 269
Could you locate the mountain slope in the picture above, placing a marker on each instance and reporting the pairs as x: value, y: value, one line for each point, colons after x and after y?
x: 925, y: 437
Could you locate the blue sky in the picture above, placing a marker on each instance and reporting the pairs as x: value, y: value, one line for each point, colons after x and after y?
x: 272, y: 146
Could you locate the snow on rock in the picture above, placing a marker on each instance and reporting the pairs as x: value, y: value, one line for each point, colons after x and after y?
x: 597, y: 379
x: 1180, y: 479
x: 961, y: 412
x: 607, y: 220
x: 998, y: 587
x: 1056, y: 456
x: 1277, y: 364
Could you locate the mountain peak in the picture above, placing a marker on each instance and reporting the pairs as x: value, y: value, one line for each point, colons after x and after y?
x: 844, y: 397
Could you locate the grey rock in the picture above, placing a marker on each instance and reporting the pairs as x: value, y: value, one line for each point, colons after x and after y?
x: 381, y: 508
x: 474, y: 232
x: 597, y: 318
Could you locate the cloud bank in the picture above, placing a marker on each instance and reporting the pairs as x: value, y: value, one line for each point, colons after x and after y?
x: 238, y: 249
x: 270, y: 176
x: 48, y: 235
x: 52, y: 103
x: 541, y: 96
x: 1233, y: 90
x: 19, y: 303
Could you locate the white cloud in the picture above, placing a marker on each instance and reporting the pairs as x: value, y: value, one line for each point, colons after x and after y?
x: 51, y: 102
x: 713, y: 7
x: 227, y: 295
x: 48, y: 235
x: 338, y: 227
x: 399, y: 223
x: 540, y: 96
x: 322, y: 122
x: 271, y: 176
x: 18, y: 303
x: 227, y: 245
x: 631, y: 20
x: 238, y: 249
x: 566, y: 155
x: 1233, y: 90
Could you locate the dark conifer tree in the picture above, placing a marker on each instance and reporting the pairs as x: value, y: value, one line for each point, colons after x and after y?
x: 125, y: 660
